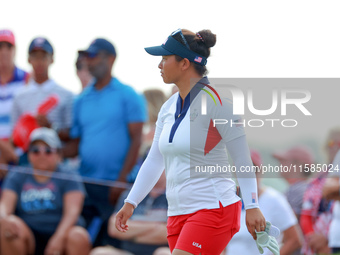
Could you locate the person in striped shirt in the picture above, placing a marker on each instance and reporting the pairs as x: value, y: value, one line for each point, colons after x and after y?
x: 40, y: 89
x: 316, y: 214
x: 12, y: 79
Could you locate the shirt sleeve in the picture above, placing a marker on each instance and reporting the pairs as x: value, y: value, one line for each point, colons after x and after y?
x: 13, y: 181
x: 71, y: 182
x: 283, y: 215
x: 239, y: 152
x: 135, y: 106
x: 150, y: 170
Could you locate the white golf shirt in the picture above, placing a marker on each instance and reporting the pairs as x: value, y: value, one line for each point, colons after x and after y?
x: 187, y: 144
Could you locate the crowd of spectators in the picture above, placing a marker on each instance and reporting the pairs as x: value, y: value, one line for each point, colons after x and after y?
x: 67, y: 162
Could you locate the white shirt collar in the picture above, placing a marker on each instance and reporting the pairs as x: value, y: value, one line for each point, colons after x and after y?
x: 45, y: 86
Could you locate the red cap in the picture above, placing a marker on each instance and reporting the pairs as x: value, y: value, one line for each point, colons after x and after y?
x: 299, y: 153
x: 7, y: 36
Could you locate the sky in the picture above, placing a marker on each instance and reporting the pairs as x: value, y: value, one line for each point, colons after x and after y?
x: 267, y: 39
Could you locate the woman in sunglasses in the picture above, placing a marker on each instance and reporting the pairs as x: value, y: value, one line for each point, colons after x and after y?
x: 204, y: 210
x: 39, y: 210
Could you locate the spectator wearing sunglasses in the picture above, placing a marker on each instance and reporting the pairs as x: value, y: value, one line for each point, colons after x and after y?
x: 12, y: 79
x: 40, y: 209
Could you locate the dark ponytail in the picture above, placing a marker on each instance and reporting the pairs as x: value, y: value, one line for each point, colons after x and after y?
x: 200, y: 43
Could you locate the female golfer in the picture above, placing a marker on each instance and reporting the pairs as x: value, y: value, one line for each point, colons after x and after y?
x: 204, y: 210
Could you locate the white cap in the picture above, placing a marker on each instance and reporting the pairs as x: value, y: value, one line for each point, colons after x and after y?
x: 47, y: 135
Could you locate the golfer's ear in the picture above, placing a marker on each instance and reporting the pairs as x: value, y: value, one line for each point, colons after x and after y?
x: 185, y: 64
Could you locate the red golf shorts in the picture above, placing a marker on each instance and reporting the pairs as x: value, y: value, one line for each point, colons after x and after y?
x: 206, y: 231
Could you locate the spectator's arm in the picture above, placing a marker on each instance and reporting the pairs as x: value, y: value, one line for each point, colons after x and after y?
x: 318, y: 243
x: 306, y: 222
x: 43, y: 121
x: 140, y: 232
x: 136, y: 228
x: 7, y: 152
x: 7, y: 203
x: 308, y: 211
x: 67, y: 112
x: 292, y: 240
x: 73, y: 137
x: 135, y: 131
x: 156, y: 237
x: 73, y: 204
x: 136, y: 115
x: 331, y: 189
x: 70, y: 149
x: 64, y: 134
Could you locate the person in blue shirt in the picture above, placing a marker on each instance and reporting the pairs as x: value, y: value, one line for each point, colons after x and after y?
x: 40, y: 209
x: 107, y: 127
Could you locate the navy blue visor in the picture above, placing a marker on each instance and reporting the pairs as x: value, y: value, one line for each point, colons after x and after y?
x: 173, y: 47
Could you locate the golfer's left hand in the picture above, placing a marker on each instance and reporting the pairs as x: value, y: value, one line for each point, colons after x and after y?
x: 255, y: 221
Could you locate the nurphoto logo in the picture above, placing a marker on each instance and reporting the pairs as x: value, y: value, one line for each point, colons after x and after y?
x: 243, y: 102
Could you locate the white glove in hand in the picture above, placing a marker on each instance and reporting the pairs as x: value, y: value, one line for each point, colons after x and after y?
x: 272, y: 230
x: 266, y: 239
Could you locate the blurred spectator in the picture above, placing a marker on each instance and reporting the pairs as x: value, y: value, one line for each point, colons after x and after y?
x: 39, y: 210
x: 276, y: 210
x: 107, y: 127
x: 39, y: 90
x: 42, y: 87
x: 83, y: 72
x: 297, y: 180
x: 155, y: 99
x: 316, y: 214
x: 12, y: 79
x: 147, y: 227
x: 331, y: 190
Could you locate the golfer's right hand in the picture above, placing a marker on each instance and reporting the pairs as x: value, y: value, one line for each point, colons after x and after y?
x: 122, y: 216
